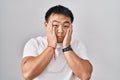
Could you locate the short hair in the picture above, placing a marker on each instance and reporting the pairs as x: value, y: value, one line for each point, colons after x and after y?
x: 59, y: 9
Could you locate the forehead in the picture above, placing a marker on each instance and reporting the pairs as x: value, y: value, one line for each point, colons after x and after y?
x: 59, y: 18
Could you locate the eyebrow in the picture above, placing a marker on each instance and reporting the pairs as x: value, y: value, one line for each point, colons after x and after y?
x: 56, y: 21
x: 67, y: 22
x: 59, y: 22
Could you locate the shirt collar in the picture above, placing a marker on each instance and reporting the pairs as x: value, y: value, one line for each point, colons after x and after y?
x: 59, y: 45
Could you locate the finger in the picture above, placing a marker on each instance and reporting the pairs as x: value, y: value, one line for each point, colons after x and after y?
x: 71, y: 29
x: 54, y: 28
x: 71, y: 26
x: 50, y: 25
x: 47, y: 26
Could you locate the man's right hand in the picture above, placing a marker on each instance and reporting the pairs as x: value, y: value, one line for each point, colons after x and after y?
x: 51, y: 36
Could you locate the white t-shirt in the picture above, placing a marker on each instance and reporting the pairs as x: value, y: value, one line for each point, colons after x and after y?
x: 57, y: 69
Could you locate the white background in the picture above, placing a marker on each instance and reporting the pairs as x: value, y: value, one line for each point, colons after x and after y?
x: 97, y: 24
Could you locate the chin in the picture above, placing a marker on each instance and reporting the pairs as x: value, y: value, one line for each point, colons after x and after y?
x: 60, y: 41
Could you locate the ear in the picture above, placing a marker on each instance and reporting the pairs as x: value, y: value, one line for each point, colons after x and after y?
x: 45, y: 23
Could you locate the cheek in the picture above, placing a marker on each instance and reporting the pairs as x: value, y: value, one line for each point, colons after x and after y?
x: 65, y: 31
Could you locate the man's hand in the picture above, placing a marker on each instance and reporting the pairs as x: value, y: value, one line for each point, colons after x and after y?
x: 51, y: 36
x: 68, y: 36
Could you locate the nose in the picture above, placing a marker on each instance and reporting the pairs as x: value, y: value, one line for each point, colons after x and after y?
x: 60, y: 29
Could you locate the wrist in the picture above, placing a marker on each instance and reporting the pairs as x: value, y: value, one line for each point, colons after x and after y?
x: 54, y: 54
x: 64, y: 46
x: 52, y: 45
x: 68, y: 48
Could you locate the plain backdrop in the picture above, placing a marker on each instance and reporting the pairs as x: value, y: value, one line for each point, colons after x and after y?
x: 97, y: 24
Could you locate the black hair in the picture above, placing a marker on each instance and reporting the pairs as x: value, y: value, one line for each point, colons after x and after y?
x: 59, y: 9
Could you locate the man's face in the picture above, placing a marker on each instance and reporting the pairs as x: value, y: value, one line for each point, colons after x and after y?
x: 61, y: 24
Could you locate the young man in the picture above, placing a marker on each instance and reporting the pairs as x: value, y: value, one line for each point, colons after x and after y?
x: 56, y: 56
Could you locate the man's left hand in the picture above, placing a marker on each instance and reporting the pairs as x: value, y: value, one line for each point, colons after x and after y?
x: 68, y: 36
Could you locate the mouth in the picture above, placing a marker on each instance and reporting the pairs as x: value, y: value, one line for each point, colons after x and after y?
x: 60, y: 37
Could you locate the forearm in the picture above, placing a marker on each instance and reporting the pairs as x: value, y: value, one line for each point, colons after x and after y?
x: 80, y: 67
x: 33, y: 66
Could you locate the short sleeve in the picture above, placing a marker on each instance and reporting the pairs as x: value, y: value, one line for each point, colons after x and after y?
x: 81, y: 50
x: 30, y: 48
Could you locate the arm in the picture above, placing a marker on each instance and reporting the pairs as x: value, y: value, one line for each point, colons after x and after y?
x: 80, y: 67
x: 33, y: 66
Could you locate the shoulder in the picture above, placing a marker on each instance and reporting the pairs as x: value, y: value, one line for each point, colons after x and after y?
x: 36, y: 40
x: 41, y: 38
